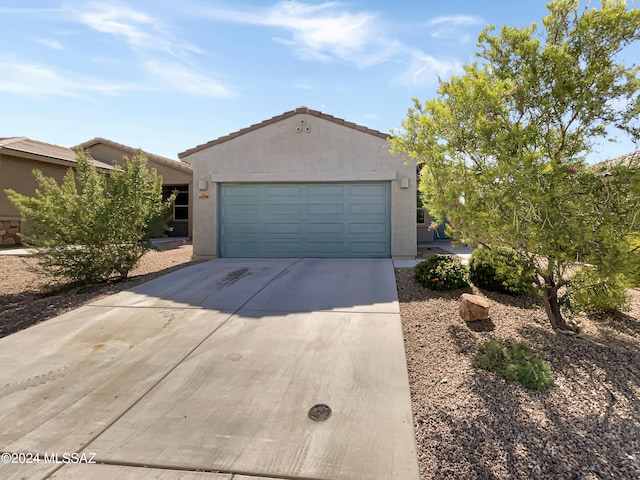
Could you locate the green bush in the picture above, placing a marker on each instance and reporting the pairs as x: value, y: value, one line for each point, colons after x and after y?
x: 500, y: 270
x: 592, y: 293
x: 514, y: 361
x: 441, y: 272
x: 95, y: 225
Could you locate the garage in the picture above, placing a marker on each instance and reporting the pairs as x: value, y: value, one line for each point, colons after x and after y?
x: 305, y: 220
x: 302, y: 184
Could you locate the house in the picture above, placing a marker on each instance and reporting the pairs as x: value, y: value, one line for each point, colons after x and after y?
x: 302, y: 184
x: 19, y: 156
x: 176, y: 176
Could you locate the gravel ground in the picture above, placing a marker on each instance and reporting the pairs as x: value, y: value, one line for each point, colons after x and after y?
x: 471, y: 424
x: 27, y: 298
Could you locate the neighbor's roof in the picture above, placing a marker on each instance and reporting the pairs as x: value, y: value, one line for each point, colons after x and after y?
x: 278, y: 118
x: 630, y: 159
x: 24, y: 147
x: 185, y: 167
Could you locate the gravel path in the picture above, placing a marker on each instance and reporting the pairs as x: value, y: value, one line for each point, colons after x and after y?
x: 27, y: 298
x: 471, y: 424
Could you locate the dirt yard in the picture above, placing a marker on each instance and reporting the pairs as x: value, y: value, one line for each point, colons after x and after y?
x: 27, y: 298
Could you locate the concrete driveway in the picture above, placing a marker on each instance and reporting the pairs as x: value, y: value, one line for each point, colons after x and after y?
x: 210, y: 372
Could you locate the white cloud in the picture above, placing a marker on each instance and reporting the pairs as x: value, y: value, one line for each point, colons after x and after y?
x: 178, y: 78
x: 321, y: 32
x: 51, y: 43
x: 39, y: 81
x: 303, y: 86
x: 453, y: 27
x: 425, y: 70
x: 138, y: 29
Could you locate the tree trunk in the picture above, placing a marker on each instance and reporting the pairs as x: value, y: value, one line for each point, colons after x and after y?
x: 552, y: 307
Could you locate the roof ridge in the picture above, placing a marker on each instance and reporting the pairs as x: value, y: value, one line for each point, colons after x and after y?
x: 300, y: 110
x: 9, y: 140
x: 164, y: 160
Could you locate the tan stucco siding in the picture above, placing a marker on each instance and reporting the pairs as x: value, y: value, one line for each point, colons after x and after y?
x: 278, y: 152
x: 17, y: 174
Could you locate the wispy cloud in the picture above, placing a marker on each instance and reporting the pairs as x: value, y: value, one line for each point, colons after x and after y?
x: 39, y: 81
x: 425, y: 70
x: 179, y: 78
x: 320, y: 32
x: 138, y: 29
x: 303, y: 86
x: 453, y: 27
x: 50, y: 43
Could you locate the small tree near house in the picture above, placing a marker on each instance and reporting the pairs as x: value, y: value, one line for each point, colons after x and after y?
x: 95, y: 225
x: 503, y: 146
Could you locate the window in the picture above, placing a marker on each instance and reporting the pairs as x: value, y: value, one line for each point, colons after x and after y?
x: 181, y: 204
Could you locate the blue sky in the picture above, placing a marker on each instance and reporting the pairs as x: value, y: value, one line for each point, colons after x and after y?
x: 166, y: 76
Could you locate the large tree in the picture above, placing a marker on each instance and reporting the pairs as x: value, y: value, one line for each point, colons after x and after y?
x: 95, y: 225
x: 503, y: 146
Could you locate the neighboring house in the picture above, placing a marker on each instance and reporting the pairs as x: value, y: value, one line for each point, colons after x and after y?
x: 19, y: 156
x: 175, y: 176
x: 302, y: 184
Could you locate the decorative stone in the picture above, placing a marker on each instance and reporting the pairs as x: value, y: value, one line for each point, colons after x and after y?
x: 9, y: 241
x: 473, y: 307
x: 13, y: 231
x: 2, y: 232
x: 15, y: 223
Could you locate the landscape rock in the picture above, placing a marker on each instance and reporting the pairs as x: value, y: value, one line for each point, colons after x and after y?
x: 473, y: 307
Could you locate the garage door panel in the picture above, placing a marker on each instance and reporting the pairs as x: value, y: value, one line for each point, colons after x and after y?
x: 305, y: 220
x: 325, y: 209
x: 282, y: 228
x: 367, y: 228
x: 325, y: 228
x: 326, y: 191
x: 282, y: 190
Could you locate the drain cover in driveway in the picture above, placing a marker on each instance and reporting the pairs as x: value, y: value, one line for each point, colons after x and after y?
x: 319, y: 413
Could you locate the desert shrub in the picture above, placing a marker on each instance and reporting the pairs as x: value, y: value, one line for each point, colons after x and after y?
x: 500, y: 270
x: 514, y: 361
x: 95, y: 225
x: 441, y: 272
x: 593, y: 293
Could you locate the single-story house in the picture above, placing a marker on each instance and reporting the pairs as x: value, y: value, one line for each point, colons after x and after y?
x: 176, y: 176
x: 302, y: 184
x: 19, y: 156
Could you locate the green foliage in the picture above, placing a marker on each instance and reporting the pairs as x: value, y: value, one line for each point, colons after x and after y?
x: 501, y: 270
x: 94, y: 225
x: 503, y: 145
x: 441, y: 272
x: 514, y: 361
x: 632, y: 271
x: 593, y: 293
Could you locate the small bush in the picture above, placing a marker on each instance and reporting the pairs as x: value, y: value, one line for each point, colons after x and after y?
x: 441, y: 272
x: 500, y: 270
x: 514, y: 361
x: 591, y: 293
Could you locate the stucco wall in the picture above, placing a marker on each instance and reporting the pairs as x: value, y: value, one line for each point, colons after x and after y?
x: 328, y: 152
x: 16, y: 173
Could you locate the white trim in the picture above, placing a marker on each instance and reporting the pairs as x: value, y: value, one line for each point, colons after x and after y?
x: 303, y: 177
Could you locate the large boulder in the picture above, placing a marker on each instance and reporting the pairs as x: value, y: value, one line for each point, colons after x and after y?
x: 473, y: 307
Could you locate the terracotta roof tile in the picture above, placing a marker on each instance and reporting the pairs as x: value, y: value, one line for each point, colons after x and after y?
x: 299, y: 110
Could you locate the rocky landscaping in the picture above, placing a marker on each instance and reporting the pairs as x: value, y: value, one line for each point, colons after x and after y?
x: 472, y: 424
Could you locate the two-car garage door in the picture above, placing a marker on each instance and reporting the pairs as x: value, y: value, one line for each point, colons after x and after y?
x: 305, y: 220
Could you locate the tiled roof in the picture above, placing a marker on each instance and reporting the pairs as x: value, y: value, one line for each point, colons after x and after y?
x: 278, y: 118
x: 41, y: 151
x: 185, y: 167
x: 628, y: 160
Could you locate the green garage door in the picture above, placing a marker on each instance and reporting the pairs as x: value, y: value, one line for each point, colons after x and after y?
x: 305, y: 220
